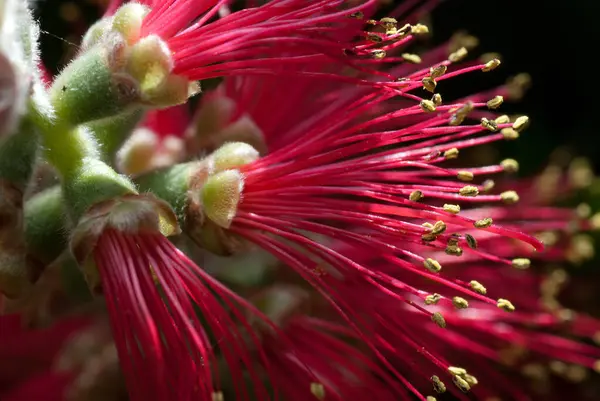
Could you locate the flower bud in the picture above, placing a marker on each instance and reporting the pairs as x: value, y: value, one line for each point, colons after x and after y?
x: 128, y: 21
x: 221, y: 195
x: 233, y: 155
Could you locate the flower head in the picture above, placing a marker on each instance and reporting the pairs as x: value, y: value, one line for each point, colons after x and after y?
x: 165, y: 46
x: 141, y: 274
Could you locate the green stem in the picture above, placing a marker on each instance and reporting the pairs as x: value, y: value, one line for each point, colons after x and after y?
x: 112, y: 132
x: 75, y: 153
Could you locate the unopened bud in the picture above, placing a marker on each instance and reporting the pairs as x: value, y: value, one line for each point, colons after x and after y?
x: 128, y: 21
x: 233, y: 155
x: 221, y: 195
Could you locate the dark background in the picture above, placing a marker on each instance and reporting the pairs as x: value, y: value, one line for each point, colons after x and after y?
x: 554, y: 41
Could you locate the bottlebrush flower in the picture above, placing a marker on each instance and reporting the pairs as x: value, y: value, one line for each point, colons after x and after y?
x: 254, y: 109
x: 157, y: 50
x: 541, y: 342
x: 141, y: 274
x: 358, y: 181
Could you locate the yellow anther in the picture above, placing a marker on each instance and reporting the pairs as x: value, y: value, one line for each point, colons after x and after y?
x: 432, y: 265
x: 432, y: 299
x: 465, y: 176
x: 429, y: 84
x: 411, y: 58
x: 520, y: 123
x: 490, y: 125
x: 460, y: 302
x: 491, y: 65
x: 454, y: 250
x: 454, y: 209
x: 419, y: 29
x: 484, y: 223
x: 510, y: 165
x: 438, y: 228
x: 521, y: 263
x: 505, y: 304
x: 509, y: 133
x: 438, y: 319
x: 451, y: 153
x: 472, y: 380
x: 503, y: 119
x: 471, y: 241
x: 429, y: 237
x: 458, y: 55
x: 415, y: 196
x: 427, y: 106
x: 469, y: 190
x: 457, y: 371
x: 438, y: 385
x: 478, y: 287
x: 509, y: 197
x: 495, y: 102
x: 461, y: 383
x: 438, y: 71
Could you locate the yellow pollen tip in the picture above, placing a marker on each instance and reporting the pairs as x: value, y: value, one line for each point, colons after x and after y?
x: 505, y: 304
x: 469, y: 190
x: 432, y: 265
x: 484, y: 223
x: 521, y: 263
